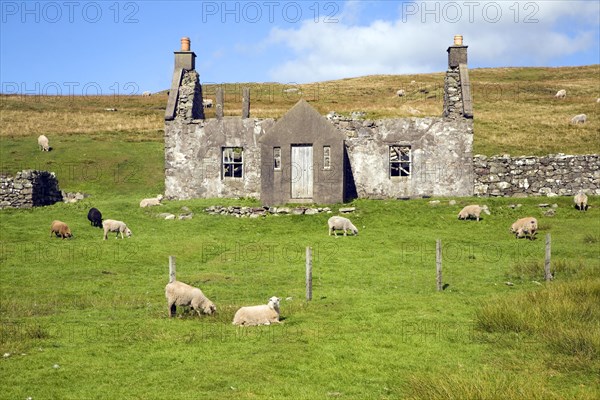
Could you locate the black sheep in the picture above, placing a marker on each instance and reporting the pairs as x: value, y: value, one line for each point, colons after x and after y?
x: 95, y: 217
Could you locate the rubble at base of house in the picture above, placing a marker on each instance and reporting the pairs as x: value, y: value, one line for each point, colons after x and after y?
x: 255, y: 212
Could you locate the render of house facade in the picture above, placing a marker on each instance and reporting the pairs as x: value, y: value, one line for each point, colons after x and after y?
x: 306, y: 158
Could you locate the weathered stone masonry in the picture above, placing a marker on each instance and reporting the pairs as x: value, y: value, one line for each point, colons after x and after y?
x: 562, y: 175
x: 29, y: 188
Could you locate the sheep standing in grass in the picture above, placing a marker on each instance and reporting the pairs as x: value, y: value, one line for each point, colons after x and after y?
x: 561, y: 94
x: 579, y: 119
x: 339, y: 224
x: 110, y: 225
x: 473, y: 211
x: 154, y: 201
x: 265, y: 314
x: 525, y: 227
x: 43, y: 143
x: 581, y: 201
x: 95, y: 217
x: 184, y: 295
x: 60, y: 229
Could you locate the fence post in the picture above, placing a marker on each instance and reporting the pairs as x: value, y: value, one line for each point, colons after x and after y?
x: 438, y: 264
x: 547, y: 273
x: 308, y: 274
x: 171, y: 268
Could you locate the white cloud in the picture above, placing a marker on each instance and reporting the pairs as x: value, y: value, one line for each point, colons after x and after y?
x: 415, y: 42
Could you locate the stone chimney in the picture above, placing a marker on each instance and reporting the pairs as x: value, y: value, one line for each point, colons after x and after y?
x: 457, y: 86
x: 185, y: 95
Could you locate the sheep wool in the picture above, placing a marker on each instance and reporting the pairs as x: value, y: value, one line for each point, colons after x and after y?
x: 110, y: 225
x: 60, y: 229
x: 341, y: 224
x: 265, y: 314
x: 473, y: 211
x: 525, y: 227
x: 184, y: 295
x: 581, y: 201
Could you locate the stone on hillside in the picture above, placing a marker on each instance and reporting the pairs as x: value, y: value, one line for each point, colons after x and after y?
x: 346, y: 210
x: 298, y: 211
x: 452, y: 203
x: 311, y: 211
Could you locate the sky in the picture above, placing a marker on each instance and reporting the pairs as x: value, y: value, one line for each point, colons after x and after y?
x: 126, y: 47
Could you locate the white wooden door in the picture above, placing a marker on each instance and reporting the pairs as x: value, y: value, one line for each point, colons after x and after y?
x: 302, y: 172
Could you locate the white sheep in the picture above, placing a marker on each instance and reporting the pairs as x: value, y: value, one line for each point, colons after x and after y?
x: 341, y: 223
x: 400, y: 93
x: 207, y: 103
x: 265, y: 314
x: 154, y: 201
x: 473, y: 211
x: 561, y: 94
x: 146, y: 94
x: 184, y: 295
x: 43, y: 143
x: 579, y: 119
x: 110, y: 225
x: 525, y: 227
x: 581, y: 201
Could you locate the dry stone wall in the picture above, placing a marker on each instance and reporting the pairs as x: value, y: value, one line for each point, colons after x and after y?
x: 29, y: 188
x: 552, y: 175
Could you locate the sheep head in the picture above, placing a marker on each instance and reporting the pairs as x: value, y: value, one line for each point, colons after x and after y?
x: 274, y: 302
x: 485, y: 209
x: 209, y: 308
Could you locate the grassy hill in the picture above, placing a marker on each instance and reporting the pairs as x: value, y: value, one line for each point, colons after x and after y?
x: 87, y: 318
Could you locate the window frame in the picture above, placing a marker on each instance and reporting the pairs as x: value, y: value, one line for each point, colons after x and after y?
x: 229, y: 160
x: 403, y: 163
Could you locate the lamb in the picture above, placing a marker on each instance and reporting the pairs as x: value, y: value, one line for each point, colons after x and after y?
x: 579, y: 119
x: 561, y: 94
x: 60, y: 229
x: 43, y: 143
x: 110, y: 225
x: 581, y: 201
x: 473, y: 211
x: 95, y: 217
x: 154, y: 201
x: 525, y: 227
x: 265, y: 314
x: 341, y: 223
x: 184, y: 295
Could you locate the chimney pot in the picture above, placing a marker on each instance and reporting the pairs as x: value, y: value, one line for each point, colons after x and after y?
x: 185, y: 44
x: 458, y: 40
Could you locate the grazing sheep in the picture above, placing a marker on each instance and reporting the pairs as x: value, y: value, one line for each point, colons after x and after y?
x: 146, y: 94
x: 579, y: 119
x: 110, y: 225
x: 207, y: 103
x: 60, y: 229
x: 154, y: 201
x: 184, y: 295
x: 341, y: 223
x: 561, y: 94
x: 95, y: 217
x: 525, y: 227
x: 265, y: 314
x: 43, y: 143
x: 581, y: 201
x: 473, y: 211
x: 400, y: 93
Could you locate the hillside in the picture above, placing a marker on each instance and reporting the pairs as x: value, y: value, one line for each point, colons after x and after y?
x: 515, y: 109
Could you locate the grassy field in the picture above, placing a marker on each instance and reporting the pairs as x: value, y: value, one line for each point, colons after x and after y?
x: 87, y: 319
x: 515, y: 110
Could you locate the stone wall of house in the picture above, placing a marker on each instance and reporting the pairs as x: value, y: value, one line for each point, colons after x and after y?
x: 552, y: 175
x: 29, y: 188
x: 189, y: 100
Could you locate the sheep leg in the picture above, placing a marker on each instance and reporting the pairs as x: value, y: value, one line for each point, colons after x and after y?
x: 172, y: 310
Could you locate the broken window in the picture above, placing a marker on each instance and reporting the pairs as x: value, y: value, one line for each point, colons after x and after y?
x: 277, y: 158
x: 326, y: 157
x: 400, y: 160
x: 233, y: 162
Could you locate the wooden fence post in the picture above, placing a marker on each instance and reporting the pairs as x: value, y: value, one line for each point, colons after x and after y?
x: 308, y: 274
x: 547, y: 273
x: 171, y: 268
x: 438, y: 263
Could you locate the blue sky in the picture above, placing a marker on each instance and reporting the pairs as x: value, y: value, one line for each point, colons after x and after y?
x: 108, y: 47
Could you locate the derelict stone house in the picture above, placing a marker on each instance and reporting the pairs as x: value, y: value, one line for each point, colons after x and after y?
x: 306, y: 158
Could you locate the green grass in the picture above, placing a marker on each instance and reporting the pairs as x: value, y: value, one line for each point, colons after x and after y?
x: 376, y: 327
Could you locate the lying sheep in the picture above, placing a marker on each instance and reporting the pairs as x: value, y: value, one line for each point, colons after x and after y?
x: 60, y: 229
x: 579, y: 119
x: 473, y: 211
x: 265, y: 314
x: 561, y: 94
x: 95, y: 217
x: 43, y: 143
x: 110, y: 225
x: 154, y: 201
x: 581, y: 201
x: 184, y: 295
x: 341, y: 223
x: 525, y: 227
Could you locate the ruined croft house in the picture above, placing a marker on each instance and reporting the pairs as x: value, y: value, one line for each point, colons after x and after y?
x: 305, y: 158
